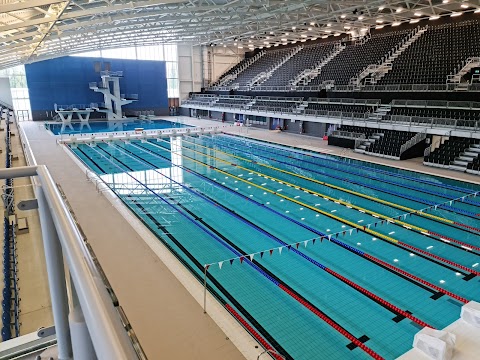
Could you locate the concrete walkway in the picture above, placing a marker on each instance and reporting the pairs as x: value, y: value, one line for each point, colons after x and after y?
x: 168, y: 321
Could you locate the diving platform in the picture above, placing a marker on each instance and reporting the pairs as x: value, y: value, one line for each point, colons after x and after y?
x: 65, y: 113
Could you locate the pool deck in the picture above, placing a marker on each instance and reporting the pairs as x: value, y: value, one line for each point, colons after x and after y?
x: 160, y: 298
x: 168, y: 318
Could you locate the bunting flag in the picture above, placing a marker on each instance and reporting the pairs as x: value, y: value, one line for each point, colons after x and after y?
x: 220, y: 264
x: 296, y: 245
x: 351, y: 230
x: 313, y: 241
x: 463, y: 198
x: 450, y: 202
x: 280, y: 250
x: 271, y: 252
x: 344, y: 233
x: 436, y: 207
x: 375, y: 225
x: 288, y: 247
x: 329, y: 237
x: 251, y: 256
x: 382, y: 222
x: 261, y: 254
x: 364, y: 227
x: 305, y: 242
x: 231, y: 261
x: 206, y: 267
x: 357, y: 230
x: 368, y: 226
x: 241, y: 259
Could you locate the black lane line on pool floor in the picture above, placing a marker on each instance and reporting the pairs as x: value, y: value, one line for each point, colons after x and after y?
x: 363, y: 339
x: 208, y: 226
x: 445, y: 265
x: 255, y: 261
x: 264, y: 206
x: 235, y: 303
x: 199, y: 266
x: 436, y: 220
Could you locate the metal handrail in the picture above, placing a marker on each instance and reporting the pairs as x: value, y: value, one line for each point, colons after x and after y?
x: 108, y: 336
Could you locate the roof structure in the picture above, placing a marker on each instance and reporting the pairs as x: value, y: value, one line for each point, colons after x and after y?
x: 33, y: 30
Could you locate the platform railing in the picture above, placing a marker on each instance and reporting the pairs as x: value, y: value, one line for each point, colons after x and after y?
x: 91, y: 327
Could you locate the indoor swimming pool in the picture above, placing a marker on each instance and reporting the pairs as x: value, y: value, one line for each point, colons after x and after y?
x: 110, y: 126
x: 317, y: 256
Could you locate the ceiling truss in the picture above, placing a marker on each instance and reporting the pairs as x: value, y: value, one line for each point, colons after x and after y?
x: 33, y: 30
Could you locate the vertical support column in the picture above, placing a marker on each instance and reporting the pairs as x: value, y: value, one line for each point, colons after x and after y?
x: 56, y: 277
x: 116, y: 96
x: 81, y: 341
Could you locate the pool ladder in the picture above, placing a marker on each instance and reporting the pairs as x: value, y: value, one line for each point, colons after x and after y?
x: 271, y: 351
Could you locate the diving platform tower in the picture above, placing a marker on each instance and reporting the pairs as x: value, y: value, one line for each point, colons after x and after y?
x: 114, y: 100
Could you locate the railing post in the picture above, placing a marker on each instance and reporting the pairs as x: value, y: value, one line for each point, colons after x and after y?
x: 81, y: 340
x: 56, y: 277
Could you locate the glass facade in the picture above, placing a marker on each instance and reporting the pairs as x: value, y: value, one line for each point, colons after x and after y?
x: 167, y: 53
x: 20, y: 97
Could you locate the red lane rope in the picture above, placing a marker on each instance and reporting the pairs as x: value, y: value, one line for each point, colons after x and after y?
x: 254, y: 333
x: 467, y: 226
x: 454, y: 240
x: 416, y: 278
x: 441, y: 259
x: 333, y: 324
x: 379, y: 299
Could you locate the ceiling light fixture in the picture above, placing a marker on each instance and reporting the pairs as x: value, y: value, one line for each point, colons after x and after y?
x: 414, y: 21
x: 455, y: 14
x: 396, y: 23
x: 360, y: 18
x: 312, y: 23
x: 293, y: 27
x: 324, y: 36
x: 464, y: 6
x: 399, y: 10
x: 379, y: 27
x: 379, y: 21
x: 445, y: 1
x: 417, y: 14
x: 328, y: 25
x: 381, y: 8
x: 434, y: 17
x: 343, y: 16
x: 309, y: 29
x: 477, y: 11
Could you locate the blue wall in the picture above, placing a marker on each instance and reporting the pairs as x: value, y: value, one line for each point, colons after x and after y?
x: 65, y: 81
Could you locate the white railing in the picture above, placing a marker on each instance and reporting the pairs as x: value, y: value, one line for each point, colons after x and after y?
x: 405, y: 87
x: 413, y: 141
x: 92, y: 327
x: 436, y: 104
x: 385, y: 64
x: 470, y: 63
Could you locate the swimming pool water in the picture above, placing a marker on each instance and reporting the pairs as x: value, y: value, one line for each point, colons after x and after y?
x: 211, y: 199
x: 111, y: 126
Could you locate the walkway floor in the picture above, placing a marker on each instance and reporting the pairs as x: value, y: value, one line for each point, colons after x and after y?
x: 168, y: 321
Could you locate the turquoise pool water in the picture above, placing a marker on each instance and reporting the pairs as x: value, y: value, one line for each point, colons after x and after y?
x: 111, y: 126
x: 211, y: 199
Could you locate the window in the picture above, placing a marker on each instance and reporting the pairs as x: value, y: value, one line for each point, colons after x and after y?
x: 166, y: 53
x: 19, y: 89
